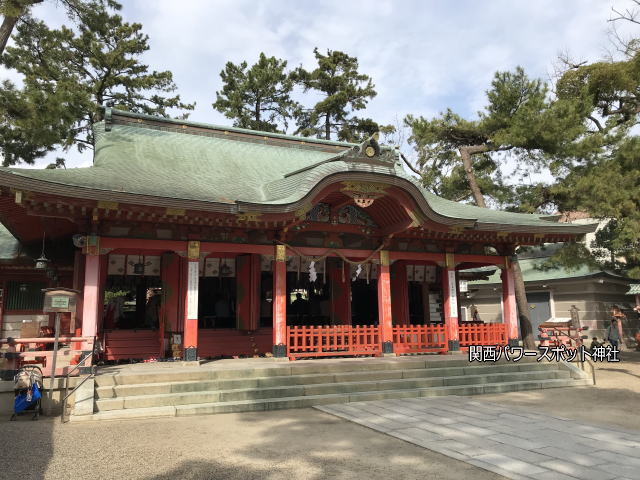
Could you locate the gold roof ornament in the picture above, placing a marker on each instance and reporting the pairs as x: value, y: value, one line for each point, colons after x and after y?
x: 364, y: 193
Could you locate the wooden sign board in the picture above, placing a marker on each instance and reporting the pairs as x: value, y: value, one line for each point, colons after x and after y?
x: 60, y: 300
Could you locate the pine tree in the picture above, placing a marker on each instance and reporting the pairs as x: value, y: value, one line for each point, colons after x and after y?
x: 345, y: 91
x: 259, y: 97
x: 69, y: 76
x: 14, y: 11
x: 519, y: 118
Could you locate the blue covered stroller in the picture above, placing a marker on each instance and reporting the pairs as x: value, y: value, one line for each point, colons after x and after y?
x: 28, y: 391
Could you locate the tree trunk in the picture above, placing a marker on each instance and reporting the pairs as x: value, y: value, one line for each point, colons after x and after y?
x: 9, y: 21
x: 465, y: 153
x: 526, y: 330
x: 6, y: 28
x: 327, y: 128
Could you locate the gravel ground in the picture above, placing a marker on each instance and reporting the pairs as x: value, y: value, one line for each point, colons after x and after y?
x: 285, y: 444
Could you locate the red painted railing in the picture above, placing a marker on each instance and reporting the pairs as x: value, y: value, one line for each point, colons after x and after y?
x: 482, y: 334
x: 556, y: 335
x: 31, y: 352
x: 420, y: 339
x: 330, y: 341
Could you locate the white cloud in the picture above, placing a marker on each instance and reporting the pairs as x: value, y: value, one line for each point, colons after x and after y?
x: 424, y: 56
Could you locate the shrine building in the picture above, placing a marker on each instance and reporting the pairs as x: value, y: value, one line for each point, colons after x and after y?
x: 198, y: 241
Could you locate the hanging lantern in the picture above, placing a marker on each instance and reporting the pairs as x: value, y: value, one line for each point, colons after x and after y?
x: 139, y: 266
x: 42, y: 261
x: 225, y: 270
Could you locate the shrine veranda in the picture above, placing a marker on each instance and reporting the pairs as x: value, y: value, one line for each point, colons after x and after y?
x: 197, y: 241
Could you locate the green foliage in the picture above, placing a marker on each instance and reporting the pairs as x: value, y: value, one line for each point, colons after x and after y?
x: 572, y: 256
x: 73, y: 74
x: 32, y: 121
x: 609, y: 189
x: 520, y: 118
x: 344, y: 91
x: 259, y: 97
x: 612, y: 88
x: 110, y: 295
x: 601, y: 173
x: 14, y: 11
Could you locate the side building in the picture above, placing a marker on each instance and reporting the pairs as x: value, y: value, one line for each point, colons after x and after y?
x: 586, y: 294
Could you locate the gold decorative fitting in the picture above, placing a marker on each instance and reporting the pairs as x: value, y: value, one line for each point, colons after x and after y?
x: 363, y: 194
x: 369, y: 151
x: 449, y: 260
x: 363, y: 200
x: 193, y: 250
x: 502, y: 234
x: 364, y: 187
x: 384, y: 258
x: 538, y: 237
x: 416, y: 217
x: 281, y: 253
x: 92, y: 245
x: 248, y: 217
x: 18, y: 197
x: 456, y: 230
x: 302, y: 211
x: 177, y: 212
x: 106, y: 205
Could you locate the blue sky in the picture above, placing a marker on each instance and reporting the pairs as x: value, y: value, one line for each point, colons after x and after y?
x: 424, y: 56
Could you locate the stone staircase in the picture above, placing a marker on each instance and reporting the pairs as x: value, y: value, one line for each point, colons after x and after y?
x: 206, y: 389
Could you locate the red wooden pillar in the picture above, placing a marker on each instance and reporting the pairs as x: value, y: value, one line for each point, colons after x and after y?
x: 340, y: 279
x: 104, y: 267
x: 78, y: 284
x: 384, y: 303
x: 169, y: 307
x: 91, y: 308
x: 190, y: 295
x: 509, y: 307
x: 248, y: 291
x: 400, y: 293
x: 450, y: 302
x: 280, y: 302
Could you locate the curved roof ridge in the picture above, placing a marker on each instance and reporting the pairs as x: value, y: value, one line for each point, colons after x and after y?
x: 111, y: 112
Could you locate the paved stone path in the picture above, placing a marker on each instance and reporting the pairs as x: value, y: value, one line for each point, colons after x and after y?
x: 512, y: 442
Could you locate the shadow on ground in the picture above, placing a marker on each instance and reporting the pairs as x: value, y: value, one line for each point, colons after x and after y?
x: 284, y: 444
x: 26, y: 446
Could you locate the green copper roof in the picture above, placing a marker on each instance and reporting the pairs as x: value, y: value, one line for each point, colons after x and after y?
x: 169, y: 159
x: 634, y: 289
x: 531, y: 272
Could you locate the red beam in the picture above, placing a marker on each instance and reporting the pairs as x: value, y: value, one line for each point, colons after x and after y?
x: 419, y: 256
